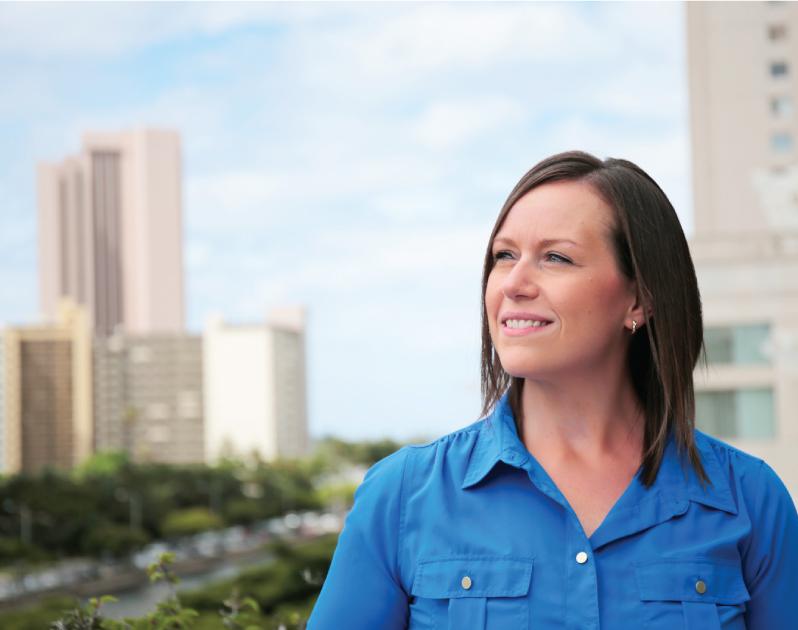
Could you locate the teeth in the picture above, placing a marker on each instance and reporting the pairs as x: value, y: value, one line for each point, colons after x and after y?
x: 524, y: 323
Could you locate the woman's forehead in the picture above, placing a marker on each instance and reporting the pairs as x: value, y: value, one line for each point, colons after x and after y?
x: 560, y: 210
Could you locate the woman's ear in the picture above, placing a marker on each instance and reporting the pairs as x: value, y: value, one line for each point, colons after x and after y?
x: 638, y: 313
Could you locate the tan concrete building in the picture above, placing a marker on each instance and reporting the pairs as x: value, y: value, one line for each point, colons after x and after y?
x: 743, y: 66
x: 3, y: 425
x: 255, y: 390
x: 110, y: 231
x: 148, y: 397
x: 47, y: 393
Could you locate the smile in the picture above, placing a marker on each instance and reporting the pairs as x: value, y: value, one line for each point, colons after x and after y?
x: 524, y: 323
x: 516, y: 327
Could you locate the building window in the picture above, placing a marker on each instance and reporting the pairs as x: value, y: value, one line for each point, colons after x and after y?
x: 158, y: 433
x: 777, y: 32
x: 781, y: 142
x: 140, y: 354
x: 739, y: 413
x: 778, y: 68
x: 781, y: 106
x: 741, y: 345
x: 157, y: 411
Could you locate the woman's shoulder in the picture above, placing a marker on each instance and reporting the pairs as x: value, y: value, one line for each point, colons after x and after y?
x: 754, y: 480
x: 456, y: 442
x: 452, y: 450
x: 738, y: 462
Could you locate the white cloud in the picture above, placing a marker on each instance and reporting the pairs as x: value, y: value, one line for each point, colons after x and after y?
x: 242, y: 200
x: 112, y: 28
x: 429, y: 37
x: 450, y: 124
x: 356, y: 260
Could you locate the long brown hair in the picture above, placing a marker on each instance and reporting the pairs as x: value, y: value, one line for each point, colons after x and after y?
x: 651, y: 249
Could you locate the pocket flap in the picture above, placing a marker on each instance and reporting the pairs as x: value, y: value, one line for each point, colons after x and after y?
x: 678, y: 581
x: 483, y: 576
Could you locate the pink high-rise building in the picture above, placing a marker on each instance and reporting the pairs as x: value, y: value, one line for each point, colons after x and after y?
x: 110, y: 232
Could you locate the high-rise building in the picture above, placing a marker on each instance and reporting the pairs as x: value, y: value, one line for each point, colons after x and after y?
x: 110, y: 232
x: 743, y: 66
x: 3, y: 425
x: 47, y: 392
x: 254, y: 387
x: 148, y: 397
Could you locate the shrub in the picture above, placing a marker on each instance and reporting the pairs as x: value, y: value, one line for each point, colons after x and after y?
x: 190, y: 521
x: 114, y: 540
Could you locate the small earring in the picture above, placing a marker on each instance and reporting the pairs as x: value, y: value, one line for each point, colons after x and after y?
x: 634, y: 326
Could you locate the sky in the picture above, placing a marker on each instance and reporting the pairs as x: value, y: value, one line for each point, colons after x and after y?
x: 348, y: 157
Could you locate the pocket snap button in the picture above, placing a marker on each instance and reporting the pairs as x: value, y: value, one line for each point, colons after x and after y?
x: 466, y: 582
x: 700, y: 587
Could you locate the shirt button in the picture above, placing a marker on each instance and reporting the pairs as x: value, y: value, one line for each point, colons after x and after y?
x: 466, y: 582
x: 581, y: 557
x: 700, y: 587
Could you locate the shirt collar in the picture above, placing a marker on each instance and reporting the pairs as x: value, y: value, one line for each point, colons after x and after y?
x: 498, y: 440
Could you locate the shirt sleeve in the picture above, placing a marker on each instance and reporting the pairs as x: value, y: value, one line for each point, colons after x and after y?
x: 772, y: 557
x: 363, y: 590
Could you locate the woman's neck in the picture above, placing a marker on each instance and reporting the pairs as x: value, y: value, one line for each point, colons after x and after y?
x: 584, y: 418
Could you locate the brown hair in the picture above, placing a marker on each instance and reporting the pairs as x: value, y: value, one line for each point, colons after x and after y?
x: 651, y: 249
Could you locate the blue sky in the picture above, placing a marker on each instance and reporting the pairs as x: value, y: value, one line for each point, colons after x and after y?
x: 350, y: 157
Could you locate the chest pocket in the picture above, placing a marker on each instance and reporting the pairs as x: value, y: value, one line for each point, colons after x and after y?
x: 694, y: 594
x: 471, y: 593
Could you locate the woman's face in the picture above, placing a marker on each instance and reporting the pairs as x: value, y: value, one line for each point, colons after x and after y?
x: 556, y: 301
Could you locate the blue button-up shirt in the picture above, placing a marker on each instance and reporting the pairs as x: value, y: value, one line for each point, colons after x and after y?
x: 471, y: 532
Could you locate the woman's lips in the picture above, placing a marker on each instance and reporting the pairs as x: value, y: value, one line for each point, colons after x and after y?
x: 524, y: 330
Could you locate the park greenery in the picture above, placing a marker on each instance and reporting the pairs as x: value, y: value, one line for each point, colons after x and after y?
x: 109, y: 507
x: 275, y: 596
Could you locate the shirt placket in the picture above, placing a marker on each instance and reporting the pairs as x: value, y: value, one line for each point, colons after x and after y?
x: 580, y: 586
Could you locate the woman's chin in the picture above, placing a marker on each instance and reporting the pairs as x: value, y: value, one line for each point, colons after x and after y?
x: 525, y: 372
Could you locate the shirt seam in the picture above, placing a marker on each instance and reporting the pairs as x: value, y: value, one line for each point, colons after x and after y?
x: 475, y: 427
x: 400, y: 536
x: 751, y: 539
x: 715, y: 446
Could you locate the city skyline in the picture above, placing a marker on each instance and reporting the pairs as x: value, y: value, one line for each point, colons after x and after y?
x: 340, y: 156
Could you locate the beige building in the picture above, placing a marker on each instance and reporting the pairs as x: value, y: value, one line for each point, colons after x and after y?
x: 3, y: 438
x: 255, y: 393
x: 46, y: 418
x: 110, y: 232
x: 148, y: 397
x: 743, y: 65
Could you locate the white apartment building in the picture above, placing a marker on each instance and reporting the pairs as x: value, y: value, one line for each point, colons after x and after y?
x: 742, y: 66
x: 254, y: 388
x: 148, y: 396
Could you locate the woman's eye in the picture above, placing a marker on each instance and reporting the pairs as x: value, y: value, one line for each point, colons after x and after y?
x: 502, y: 255
x: 558, y: 258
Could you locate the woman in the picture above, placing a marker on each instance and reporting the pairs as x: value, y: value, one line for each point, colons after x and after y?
x: 586, y: 499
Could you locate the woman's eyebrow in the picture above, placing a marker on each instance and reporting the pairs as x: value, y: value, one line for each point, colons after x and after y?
x: 546, y: 242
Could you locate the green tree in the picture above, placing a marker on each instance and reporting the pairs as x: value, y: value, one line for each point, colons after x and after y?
x: 111, y: 539
x: 190, y: 521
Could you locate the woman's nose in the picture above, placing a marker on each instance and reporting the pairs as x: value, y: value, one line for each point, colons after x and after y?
x: 521, y: 282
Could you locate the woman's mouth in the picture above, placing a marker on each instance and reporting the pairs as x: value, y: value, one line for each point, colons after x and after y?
x: 516, y: 327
